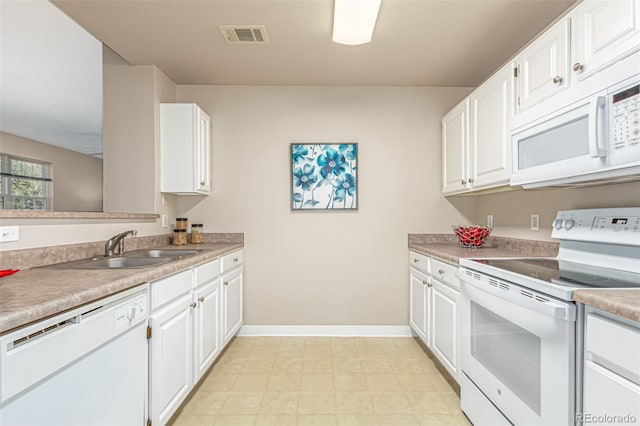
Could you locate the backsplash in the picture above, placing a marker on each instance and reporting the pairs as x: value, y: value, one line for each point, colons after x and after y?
x: 31, y: 258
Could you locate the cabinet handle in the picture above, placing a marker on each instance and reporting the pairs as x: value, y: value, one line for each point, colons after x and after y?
x: 557, y: 79
x: 235, y: 259
x: 201, y: 299
x: 416, y: 260
x: 577, y: 67
x: 464, y: 182
x: 424, y: 282
x: 226, y: 283
x: 193, y: 305
x: 440, y: 271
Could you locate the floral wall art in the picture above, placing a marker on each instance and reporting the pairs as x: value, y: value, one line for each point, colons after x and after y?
x: 324, y: 176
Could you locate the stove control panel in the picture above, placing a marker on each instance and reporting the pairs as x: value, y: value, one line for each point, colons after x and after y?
x: 613, y: 226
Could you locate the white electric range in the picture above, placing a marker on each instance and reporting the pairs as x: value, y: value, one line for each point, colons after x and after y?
x: 519, y: 325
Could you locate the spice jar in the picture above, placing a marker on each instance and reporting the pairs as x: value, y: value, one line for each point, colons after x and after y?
x: 196, y: 233
x: 179, y: 237
x: 181, y: 223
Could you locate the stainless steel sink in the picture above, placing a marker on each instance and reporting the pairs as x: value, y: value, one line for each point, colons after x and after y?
x: 119, y: 263
x: 154, y: 253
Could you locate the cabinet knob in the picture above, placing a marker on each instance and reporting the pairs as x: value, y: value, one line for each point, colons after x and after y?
x: 202, y: 182
x: 416, y: 260
x: 440, y: 271
x: 235, y: 259
x: 425, y: 282
x: 470, y: 180
x: 193, y: 305
x: 201, y: 299
x: 577, y: 67
x: 464, y: 182
x: 226, y: 283
x: 429, y: 285
x: 557, y: 79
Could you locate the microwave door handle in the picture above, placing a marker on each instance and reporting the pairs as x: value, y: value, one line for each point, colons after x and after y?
x: 597, y: 127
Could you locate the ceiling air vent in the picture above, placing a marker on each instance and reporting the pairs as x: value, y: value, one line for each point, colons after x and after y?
x: 245, y: 34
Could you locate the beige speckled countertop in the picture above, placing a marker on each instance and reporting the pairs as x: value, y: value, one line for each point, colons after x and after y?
x: 34, y: 294
x: 624, y: 303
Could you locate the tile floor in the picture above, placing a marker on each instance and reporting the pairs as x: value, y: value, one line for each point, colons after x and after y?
x: 324, y: 381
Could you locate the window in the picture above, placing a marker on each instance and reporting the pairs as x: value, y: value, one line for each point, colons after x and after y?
x: 25, y: 184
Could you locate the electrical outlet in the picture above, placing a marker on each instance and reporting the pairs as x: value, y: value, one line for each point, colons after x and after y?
x: 490, y: 220
x: 9, y: 233
x: 165, y: 222
x: 535, y: 222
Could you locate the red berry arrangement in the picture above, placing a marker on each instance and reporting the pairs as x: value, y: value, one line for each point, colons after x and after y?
x: 471, y: 236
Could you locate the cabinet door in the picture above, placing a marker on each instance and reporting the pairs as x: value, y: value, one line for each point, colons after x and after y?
x: 419, y: 287
x: 203, y: 152
x: 455, y: 127
x: 170, y: 359
x: 232, y: 303
x: 206, y: 327
x: 543, y: 67
x: 608, y: 394
x: 445, y: 326
x: 490, y: 121
x: 603, y: 32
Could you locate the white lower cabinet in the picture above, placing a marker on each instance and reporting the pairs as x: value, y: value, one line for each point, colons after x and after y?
x: 170, y: 348
x: 232, y: 281
x: 433, y: 308
x: 611, y: 381
x: 444, y: 339
x: 194, y: 314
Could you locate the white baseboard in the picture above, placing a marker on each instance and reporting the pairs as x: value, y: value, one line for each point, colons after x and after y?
x: 327, y: 330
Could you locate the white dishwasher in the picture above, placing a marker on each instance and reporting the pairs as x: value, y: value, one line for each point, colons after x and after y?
x: 87, y: 366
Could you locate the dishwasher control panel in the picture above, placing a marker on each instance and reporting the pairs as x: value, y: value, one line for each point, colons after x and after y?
x: 130, y: 313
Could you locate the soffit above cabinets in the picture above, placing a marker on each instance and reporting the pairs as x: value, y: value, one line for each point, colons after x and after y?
x: 415, y: 42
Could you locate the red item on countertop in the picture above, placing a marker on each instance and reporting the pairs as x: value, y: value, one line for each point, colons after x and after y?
x: 5, y: 272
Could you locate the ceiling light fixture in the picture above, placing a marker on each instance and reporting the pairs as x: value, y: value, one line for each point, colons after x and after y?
x: 354, y: 20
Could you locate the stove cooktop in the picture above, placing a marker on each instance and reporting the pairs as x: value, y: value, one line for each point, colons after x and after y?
x: 553, y: 276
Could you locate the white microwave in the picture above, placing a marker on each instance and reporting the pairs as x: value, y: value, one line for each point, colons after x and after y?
x: 592, y: 141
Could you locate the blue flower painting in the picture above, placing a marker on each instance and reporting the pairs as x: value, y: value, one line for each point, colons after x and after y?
x: 324, y: 176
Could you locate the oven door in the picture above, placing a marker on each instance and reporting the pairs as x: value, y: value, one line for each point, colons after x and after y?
x: 519, y: 349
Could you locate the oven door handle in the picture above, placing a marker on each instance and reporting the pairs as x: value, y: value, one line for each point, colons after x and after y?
x: 526, y: 298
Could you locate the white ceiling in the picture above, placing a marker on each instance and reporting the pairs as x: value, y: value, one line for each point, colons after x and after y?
x: 50, y: 77
x: 415, y: 42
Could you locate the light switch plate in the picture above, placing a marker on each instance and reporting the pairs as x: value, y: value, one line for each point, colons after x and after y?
x: 165, y: 223
x: 9, y: 233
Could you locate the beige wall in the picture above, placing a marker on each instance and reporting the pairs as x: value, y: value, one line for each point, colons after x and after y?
x: 77, y: 178
x: 322, y: 268
x: 512, y: 210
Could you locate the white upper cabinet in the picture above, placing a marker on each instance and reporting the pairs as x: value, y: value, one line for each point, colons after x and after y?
x: 185, y: 134
x: 490, y: 124
x: 603, y: 32
x: 543, y: 67
x: 476, y: 150
x: 455, y: 128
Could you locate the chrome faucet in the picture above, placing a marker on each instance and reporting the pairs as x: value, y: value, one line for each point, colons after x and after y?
x: 110, y: 245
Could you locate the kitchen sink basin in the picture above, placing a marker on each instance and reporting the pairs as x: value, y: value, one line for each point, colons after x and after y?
x: 119, y: 263
x: 155, y: 253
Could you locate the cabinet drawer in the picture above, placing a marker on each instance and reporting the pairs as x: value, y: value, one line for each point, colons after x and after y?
x: 419, y: 261
x: 445, y: 272
x: 231, y: 260
x: 166, y: 289
x: 605, y: 342
x: 206, y: 272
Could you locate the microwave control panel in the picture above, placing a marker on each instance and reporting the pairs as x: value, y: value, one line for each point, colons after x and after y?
x: 625, y: 116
